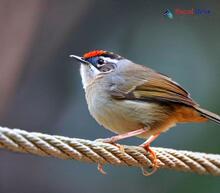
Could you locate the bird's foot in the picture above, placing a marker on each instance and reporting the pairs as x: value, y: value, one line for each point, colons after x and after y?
x: 100, y: 169
x: 112, y: 141
x: 153, y: 158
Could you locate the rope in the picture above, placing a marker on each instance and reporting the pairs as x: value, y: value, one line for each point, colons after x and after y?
x: 103, y: 153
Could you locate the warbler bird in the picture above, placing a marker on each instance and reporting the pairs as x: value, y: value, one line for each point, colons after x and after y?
x: 133, y: 100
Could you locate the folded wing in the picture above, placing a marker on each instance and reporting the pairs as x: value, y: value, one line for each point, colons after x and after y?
x: 147, y: 85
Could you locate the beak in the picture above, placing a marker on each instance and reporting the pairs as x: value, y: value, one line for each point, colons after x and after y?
x: 80, y: 59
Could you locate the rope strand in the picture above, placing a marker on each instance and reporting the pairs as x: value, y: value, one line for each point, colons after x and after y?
x: 103, y: 153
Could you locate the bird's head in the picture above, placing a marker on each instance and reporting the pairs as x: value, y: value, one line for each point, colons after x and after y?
x: 98, y: 63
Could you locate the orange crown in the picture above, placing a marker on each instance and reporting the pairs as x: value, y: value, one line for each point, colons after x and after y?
x: 93, y: 54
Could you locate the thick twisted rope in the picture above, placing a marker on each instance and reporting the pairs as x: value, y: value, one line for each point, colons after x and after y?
x: 103, y: 153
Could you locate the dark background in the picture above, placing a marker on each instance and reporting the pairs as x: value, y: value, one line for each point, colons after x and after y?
x: 40, y: 87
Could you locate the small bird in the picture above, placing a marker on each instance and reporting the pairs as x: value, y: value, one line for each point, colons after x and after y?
x: 132, y: 100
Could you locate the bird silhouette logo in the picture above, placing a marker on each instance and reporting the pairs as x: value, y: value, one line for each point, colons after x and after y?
x: 168, y: 13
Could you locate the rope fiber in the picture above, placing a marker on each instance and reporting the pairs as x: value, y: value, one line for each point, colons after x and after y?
x: 103, y: 153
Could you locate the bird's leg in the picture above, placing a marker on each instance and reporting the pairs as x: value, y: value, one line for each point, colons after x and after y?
x: 146, y: 145
x: 116, y: 138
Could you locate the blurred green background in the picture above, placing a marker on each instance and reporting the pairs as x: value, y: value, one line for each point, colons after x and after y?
x: 40, y: 87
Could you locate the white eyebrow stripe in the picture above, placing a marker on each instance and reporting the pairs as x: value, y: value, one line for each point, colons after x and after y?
x: 110, y: 60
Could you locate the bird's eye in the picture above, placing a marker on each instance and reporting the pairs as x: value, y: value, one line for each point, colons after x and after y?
x: 100, y: 61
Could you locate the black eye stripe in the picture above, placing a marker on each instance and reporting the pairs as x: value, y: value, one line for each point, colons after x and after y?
x: 101, y: 64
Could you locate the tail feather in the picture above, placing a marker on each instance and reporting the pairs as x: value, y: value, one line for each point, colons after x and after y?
x: 209, y: 115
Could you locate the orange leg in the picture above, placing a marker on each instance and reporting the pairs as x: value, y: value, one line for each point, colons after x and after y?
x: 146, y: 145
x: 116, y: 138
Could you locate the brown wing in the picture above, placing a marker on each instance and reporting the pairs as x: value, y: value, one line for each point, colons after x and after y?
x: 153, y: 86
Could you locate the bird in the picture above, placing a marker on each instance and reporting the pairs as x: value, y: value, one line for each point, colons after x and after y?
x: 130, y: 99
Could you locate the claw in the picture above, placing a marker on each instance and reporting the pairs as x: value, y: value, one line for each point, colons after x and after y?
x: 114, y: 139
x: 153, y: 155
x: 145, y: 171
x: 100, y: 168
x: 108, y: 140
x: 153, y: 158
